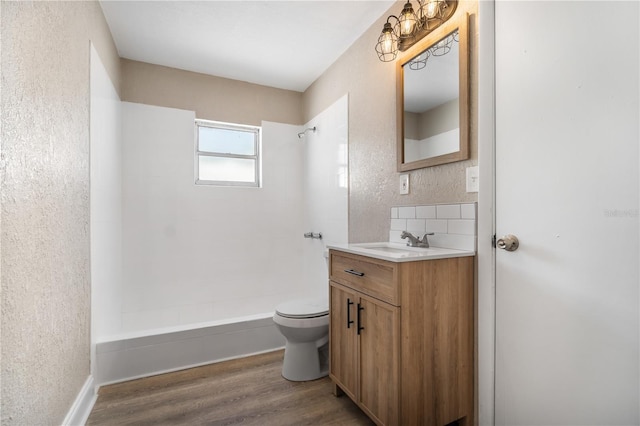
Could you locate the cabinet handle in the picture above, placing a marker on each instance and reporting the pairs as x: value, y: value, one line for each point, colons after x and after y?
x: 349, y: 320
x: 360, y: 308
x: 354, y: 272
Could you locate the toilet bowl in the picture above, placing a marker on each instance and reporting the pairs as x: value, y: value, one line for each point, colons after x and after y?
x: 305, y: 326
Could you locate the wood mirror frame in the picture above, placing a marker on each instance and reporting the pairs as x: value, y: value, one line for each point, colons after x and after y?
x: 461, y: 24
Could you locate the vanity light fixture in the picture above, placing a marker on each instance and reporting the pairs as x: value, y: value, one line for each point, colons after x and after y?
x: 411, y: 26
x: 408, y: 22
x: 387, y: 46
x: 420, y: 61
x: 441, y: 48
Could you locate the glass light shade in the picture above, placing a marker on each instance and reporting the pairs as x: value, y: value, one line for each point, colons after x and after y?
x: 419, y: 61
x: 387, y: 46
x: 443, y: 46
x: 432, y: 8
x: 408, y: 22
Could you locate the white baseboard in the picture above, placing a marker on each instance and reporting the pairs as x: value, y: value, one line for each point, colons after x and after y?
x: 81, y: 408
x: 133, y: 358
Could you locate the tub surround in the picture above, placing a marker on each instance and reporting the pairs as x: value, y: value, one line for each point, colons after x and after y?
x: 184, y: 245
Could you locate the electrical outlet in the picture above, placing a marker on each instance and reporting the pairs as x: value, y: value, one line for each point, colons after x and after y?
x: 404, y: 184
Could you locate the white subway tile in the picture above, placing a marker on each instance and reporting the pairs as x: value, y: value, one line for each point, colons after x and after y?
x: 416, y: 226
x: 468, y: 211
x: 426, y: 212
x: 394, y: 212
x: 394, y: 237
x: 406, y: 212
x: 462, y: 226
x: 436, y: 225
x: 448, y: 211
x: 453, y: 241
x: 399, y: 224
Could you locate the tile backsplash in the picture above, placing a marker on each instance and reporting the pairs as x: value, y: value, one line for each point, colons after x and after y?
x: 454, y: 225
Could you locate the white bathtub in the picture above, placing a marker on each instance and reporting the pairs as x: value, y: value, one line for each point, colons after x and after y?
x: 141, y: 354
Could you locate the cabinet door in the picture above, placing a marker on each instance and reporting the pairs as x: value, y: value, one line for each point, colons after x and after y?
x: 379, y: 337
x: 342, y: 339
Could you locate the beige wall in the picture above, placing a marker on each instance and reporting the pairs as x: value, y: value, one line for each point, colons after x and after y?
x: 213, y: 98
x: 372, y: 134
x: 440, y: 119
x: 45, y: 204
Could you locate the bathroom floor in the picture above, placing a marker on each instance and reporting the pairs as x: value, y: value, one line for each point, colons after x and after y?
x: 247, y: 391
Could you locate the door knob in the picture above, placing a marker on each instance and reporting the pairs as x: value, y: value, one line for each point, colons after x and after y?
x: 508, y: 242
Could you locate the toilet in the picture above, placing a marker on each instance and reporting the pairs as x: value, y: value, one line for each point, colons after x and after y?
x: 305, y: 326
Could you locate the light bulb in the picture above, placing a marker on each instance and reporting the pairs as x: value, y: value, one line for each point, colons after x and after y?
x: 432, y: 8
x: 407, y: 20
x: 407, y: 27
x: 387, y: 43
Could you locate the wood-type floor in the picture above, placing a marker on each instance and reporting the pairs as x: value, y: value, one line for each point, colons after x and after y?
x: 248, y: 391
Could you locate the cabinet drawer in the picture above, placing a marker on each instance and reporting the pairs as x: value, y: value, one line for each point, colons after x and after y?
x: 376, y: 278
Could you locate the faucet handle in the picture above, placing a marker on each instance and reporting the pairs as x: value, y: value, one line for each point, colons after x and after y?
x: 424, y: 242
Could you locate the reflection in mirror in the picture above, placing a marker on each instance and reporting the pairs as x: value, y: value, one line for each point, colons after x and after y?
x: 431, y: 101
x: 433, y: 122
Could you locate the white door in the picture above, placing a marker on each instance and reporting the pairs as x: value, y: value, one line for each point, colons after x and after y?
x: 567, y: 131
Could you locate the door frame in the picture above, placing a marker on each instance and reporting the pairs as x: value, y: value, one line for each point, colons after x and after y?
x: 486, y: 256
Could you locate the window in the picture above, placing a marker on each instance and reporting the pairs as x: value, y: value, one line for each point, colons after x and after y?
x: 227, y: 154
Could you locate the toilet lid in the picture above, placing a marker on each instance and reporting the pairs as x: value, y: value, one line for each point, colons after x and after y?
x: 304, y: 308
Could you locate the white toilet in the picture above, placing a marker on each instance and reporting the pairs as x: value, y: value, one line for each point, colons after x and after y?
x: 305, y: 326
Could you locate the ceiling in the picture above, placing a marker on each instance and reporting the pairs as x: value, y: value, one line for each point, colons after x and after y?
x: 283, y: 44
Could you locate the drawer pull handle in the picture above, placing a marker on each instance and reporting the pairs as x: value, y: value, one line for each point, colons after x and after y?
x: 360, y: 309
x: 354, y: 272
x: 349, y: 320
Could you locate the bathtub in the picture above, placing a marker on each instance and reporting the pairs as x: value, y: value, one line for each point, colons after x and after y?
x: 146, y: 353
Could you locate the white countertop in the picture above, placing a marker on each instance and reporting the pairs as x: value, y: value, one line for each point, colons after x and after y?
x: 394, y: 252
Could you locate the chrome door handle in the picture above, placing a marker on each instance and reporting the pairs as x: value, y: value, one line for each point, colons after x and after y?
x: 508, y: 242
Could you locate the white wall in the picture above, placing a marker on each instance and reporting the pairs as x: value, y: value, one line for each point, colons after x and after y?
x: 106, y: 203
x: 201, y: 254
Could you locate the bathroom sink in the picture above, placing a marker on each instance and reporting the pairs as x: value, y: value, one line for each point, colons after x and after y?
x: 396, y: 252
x: 393, y: 248
x: 388, y: 249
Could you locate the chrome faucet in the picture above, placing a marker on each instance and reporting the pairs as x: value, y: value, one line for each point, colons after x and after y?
x: 416, y: 241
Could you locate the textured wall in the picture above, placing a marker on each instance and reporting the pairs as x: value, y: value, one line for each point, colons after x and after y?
x: 45, y: 204
x: 212, y: 98
x: 371, y: 86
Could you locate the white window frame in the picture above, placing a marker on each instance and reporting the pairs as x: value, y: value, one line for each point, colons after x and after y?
x: 257, y: 132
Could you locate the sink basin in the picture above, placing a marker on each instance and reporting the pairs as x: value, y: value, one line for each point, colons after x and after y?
x: 392, y: 248
x: 388, y: 249
x: 396, y: 252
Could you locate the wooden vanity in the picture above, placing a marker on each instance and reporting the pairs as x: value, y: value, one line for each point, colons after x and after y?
x: 401, y: 337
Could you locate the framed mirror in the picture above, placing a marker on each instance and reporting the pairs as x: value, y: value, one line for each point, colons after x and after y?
x: 433, y: 98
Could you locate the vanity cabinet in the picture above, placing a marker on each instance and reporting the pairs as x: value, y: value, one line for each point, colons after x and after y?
x: 365, y: 336
x: 401, y: 337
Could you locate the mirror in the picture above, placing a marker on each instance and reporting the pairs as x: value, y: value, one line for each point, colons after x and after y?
x: 433, y: 98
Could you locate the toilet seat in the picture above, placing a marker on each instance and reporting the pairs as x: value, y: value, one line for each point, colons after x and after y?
x: 303, y: 308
